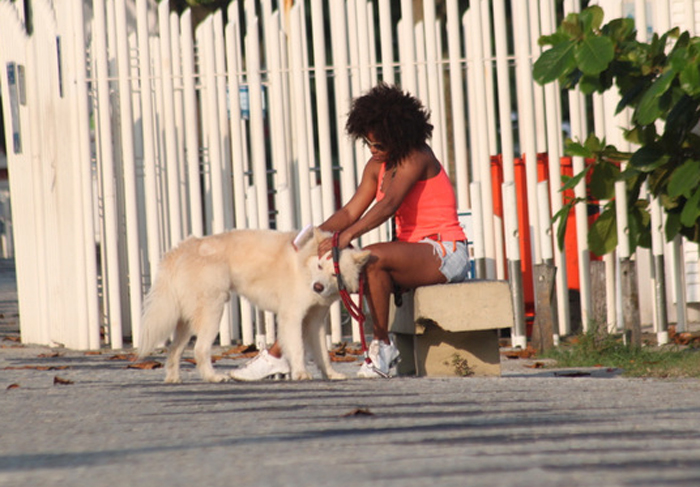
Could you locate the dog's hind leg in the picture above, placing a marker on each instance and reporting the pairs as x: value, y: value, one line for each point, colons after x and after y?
x: 207, y: 327
x: 315, y: 333
x: 177, y: 346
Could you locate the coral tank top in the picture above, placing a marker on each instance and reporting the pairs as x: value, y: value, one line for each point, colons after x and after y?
x: 429, y: 210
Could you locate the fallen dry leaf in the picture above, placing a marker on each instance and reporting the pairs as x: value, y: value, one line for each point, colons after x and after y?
x: 241, y: 355
x: 536, y: 365
x: 147, y: 365
x: 61, y: 381
x: 358, y: 412
x: 93, y: 352
x: 12, y: 339
x: 123, y: 356
x: 340, y: 350
x: 528, y: 352
x: 343, y: 349
x: 13, y: 386
x: 342, y: 358
x: 50, y: 355
x: 240, y: 350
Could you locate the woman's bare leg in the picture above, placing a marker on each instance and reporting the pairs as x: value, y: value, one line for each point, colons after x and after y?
x: 407, y: 265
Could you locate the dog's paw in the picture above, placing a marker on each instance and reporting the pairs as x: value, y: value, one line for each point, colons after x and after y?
x: 301, y: 375
x: 173, y: 380
x: 333, y: 375
x: 217, y: 378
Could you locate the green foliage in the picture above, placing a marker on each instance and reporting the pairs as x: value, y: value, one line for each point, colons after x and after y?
x: 659, y: 82
x: 461, y: 366
x: 596, y: 348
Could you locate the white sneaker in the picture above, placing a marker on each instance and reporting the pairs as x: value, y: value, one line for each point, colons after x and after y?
x: 262, y: 366
x: 383, y: 358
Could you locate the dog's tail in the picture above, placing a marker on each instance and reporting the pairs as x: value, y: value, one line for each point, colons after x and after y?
x: 160, y: 316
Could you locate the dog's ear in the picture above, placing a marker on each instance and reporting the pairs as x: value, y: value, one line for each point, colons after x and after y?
x: 304, y: 236
x: 320, y: 235
x: 361, y: 257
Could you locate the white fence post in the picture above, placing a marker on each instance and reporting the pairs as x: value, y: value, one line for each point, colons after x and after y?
x: 86, y: 265
x: 168, y: 127
x: 189, y: 94
x: 149, y: 150
x: 554, y: 144
x: 131, y: 205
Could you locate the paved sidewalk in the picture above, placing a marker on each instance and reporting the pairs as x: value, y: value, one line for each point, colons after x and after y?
x: 110, y: 425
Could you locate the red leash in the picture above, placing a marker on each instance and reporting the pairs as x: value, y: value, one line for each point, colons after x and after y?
x: 355, y: 310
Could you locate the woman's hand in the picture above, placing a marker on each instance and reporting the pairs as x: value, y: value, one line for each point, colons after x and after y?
x: 327, y: 244
x: 324, y: 247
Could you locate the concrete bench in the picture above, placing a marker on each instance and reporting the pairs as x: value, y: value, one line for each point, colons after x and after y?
x: 452, y: 329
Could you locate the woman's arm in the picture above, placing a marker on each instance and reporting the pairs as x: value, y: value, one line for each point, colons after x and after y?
x: 397, y: 185
x: 359, y: 202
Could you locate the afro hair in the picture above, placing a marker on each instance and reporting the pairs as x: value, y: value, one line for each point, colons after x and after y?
x: 397, y: 120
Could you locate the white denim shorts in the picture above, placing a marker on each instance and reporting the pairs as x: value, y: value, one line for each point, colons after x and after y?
x: 454, y: 257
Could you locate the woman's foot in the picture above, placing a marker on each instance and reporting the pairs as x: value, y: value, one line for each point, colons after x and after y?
x: 383, y: 358
x: 264, y: 365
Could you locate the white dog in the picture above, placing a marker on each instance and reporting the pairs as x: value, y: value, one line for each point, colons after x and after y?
x: 270, y: 269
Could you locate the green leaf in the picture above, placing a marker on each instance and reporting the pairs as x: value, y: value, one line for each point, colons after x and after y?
x: 577, y: 149
x: 553, y: 39
x: 631, y: 94
x: 641, y: 134
x: 555, y: 62
x: 691, y: 209
x: 684, y: 179
x: 603, y: 177
x: 602, y: 237
x: 669, y: 204
x: 594, y: 144
x: 620, y: 30
x: 571, y: 26
x: 678, y: 58
x: 658, y: 179
x: 649, y: 157
x: 571, y: 183
x: 594, y: 54
x: 563, y: 216
x: 673, y: 225
x: 682, y: 118
x: 570, y: 80
x: 649, y: 108
x: 690, y: 79
x: 591, y: 84
x: 592, y: 18
x: 639, y: 225
x: 610, y: 153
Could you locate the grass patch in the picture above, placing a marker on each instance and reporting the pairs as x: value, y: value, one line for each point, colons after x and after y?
x: 602, y: 350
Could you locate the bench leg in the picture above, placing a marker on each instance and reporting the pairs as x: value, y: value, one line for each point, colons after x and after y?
x: 445, y: 354
x: 407, y: 349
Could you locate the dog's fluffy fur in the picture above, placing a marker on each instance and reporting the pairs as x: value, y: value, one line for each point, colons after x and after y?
x: 267, y: 267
